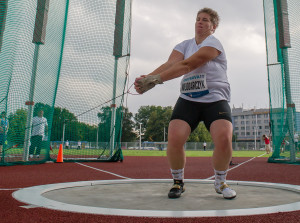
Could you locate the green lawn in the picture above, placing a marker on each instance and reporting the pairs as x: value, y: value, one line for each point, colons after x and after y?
x: 192, y: 153
x: 146, y: 152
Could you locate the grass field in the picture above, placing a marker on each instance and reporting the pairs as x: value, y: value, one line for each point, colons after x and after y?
x: 96, y: 152
x: 192, y: 153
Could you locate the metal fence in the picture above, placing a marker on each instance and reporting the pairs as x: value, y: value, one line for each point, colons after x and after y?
x: 190, y: 146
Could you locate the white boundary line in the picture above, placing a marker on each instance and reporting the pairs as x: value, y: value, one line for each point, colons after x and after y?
x: 33, y: 196
x: 104, y: 171
x: 212, y: 177
x: 10, y: 188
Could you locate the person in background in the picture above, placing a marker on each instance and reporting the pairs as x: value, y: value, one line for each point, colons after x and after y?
x: 267, y: 143
x: 39, y: 128
x: 79, y: 145
x: 67, y: 144
x: 3, y: 130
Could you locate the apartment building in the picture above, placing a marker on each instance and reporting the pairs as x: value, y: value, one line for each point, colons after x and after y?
x: 251, y: 124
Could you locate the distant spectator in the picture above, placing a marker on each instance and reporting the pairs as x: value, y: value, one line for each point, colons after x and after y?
x: 67, y: 144
x: 79, y: 145
x: 3, y: 129
x: 39, y: 127
x: 283, y: 145
x: 296, y: 138
x: 204, y: 146
x: 267, y: 143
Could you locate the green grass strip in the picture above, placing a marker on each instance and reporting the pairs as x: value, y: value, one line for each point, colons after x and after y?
x: 192, y: 153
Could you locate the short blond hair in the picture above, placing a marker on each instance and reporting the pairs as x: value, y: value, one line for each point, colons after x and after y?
x: 215, y: 19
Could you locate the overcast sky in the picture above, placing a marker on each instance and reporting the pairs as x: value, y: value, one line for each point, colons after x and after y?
x: 158, y: 25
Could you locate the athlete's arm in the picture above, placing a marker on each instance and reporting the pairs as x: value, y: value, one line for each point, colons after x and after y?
x: 174, y: 58
x: 198, y: 59
x: 175, y: 67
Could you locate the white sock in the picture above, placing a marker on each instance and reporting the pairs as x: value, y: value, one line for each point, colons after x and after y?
x: 178, y: 174
x: 220, y: 176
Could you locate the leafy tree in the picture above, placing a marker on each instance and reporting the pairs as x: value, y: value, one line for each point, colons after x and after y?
x: 104, y: 124
x: 158, y: 120
x: 128, y: 134
x: 17, y: 125
x: 200, y: 134
x: 105, y: 132
x: 61, y: 116
x: 142, y: 116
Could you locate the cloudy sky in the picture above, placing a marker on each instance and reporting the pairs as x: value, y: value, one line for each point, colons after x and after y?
x: 158, y: 25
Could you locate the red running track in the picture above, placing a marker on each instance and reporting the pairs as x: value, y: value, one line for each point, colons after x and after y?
x: 14, y: 177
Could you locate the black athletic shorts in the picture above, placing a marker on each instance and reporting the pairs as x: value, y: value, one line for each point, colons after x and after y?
x: 195, y: 112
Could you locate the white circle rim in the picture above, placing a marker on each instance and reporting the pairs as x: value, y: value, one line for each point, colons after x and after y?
x: 33, y: 196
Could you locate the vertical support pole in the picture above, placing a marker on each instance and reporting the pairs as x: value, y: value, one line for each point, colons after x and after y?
x: 30, y: 105
x: 3, y: 13
x: 39, y: 36
x: 140, y: 136
x: 284, y: 44
x: 113, y: 110
x: 97, y: 137
x: 117, y: 52
x: 290, y: 106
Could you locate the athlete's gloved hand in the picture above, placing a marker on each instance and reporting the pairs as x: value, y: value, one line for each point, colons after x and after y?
x: 145, y: 83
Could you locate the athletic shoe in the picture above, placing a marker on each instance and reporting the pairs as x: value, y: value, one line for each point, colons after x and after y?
x: 176, y: 190
x: 30, y: 156
x: 224, y: 189
x: 37, y: 156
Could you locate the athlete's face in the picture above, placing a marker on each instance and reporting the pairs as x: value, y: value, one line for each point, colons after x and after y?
x: 203, y: 24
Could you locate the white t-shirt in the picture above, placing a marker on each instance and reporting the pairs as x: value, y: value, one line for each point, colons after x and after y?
x: 208, y: 83
x: 38, y: 126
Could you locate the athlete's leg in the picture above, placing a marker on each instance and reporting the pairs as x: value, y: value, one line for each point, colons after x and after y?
x: 221, y: 132
x: 178, y: 133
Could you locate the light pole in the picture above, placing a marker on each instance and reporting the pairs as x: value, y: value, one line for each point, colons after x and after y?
x: 140, y: 136
x: 64, y: 128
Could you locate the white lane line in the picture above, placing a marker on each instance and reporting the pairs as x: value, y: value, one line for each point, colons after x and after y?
x: 30, y: 206
x: 238, y: 165
x: 10, y: 188
x: 104, y: 171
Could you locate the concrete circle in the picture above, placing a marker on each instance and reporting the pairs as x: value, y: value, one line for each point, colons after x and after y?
x: 148, y: 197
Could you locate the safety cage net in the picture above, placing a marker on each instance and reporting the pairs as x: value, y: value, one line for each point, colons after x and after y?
x: 63, y: 72
x: 283, y: 61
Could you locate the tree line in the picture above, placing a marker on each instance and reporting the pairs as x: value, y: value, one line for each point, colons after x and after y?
x: 153, y: 121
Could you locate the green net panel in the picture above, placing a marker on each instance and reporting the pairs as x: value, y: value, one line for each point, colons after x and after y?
x: 63, y: 70
x: 283, y: 62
